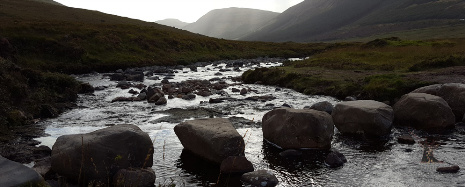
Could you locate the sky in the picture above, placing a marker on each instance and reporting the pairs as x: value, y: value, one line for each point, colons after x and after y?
x: 184, y: 10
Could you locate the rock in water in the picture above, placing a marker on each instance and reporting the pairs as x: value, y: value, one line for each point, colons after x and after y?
x: 236, y: 164
x: 213, y: 139
x: 323, y: 106
x: 297, y: 128
x: 134, y: 177
x: 452, y: 93
x: 406, y: 139
x: 423, y: 111
x: 371, y: 118
x: 451, y: 169
x: 100, y: 154
x: 16, y: 174
x: 261, y: 178
x: 335, y: 159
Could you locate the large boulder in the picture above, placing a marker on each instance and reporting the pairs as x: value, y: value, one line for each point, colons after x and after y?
x: 297, y: 128
x: 372, y: 118
x: 16, y: 174
x: 100, y: 154
x: 213, y: 139
x: 452, y: 93
x: 423, y: 111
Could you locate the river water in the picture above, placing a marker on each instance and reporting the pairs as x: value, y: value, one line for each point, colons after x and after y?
x: 370, y: 163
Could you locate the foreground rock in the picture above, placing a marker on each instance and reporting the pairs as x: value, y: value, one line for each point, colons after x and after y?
x: 451, y: 169
x: 452, y: 93
x: 236, y: 164
x: 293, y: 128
x: 335, y: 159
x: 423, y: 111
x: 100, y: 154
x: 213, y: 139
x: 260, y: 178
x: 134, y: 177
x: 16, y: 174
x: 371, y: 118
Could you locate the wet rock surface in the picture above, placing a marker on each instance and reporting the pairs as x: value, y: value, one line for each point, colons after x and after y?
x: 16, y: 174
x: 371, y: 118
x: 261, y: 178
x: 424, y: 111
x: 294, y: 129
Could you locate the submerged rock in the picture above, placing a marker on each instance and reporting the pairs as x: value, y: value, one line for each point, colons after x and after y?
x: 213, y: 139
x: 335, y: 159
x: 371, y: 118
x: 290, y: 153
x: 297, y: 128
x: 423, y: 111
x: 236, y: 164
x: 100, y: 154
x: 406, y: 139
x: 261, y: 178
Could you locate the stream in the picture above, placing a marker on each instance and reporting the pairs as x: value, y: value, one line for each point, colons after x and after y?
x: 370, y: 163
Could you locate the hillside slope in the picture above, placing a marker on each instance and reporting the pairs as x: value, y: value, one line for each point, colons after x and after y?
x: 323, y: 20
x: 173, y: 23
x: 230, y: 23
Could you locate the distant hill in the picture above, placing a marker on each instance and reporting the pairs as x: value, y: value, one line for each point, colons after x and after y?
x: 49, y: 1
x: 173, y: 23
x: 325, y: 20
x: 231, y: 23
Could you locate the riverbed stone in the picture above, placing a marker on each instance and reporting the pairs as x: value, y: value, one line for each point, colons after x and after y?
x: 298, y: 128
x: 449, y: 169
x: 213, y: 139
x: 100, y: 154
x: 371, y: 118
x: 236, y: 164
x: 323, y: 106
x: 423, y: 111
x: 261, y: 178
x: 335, y: 159
x: 16, y: 174
x: 452, y: 93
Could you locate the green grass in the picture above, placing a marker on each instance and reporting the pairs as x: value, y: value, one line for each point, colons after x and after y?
x: 382, y: 69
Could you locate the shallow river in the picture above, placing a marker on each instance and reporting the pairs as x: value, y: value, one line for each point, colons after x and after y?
x: 369, y: 163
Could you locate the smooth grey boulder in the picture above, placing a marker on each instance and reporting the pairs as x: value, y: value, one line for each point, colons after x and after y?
x: 16, y: 174
x: 368, y: 117
x: 134, y: 177
x: 452, y: 93
x: 323, y: 106
x: 213, y: 139
x: 100, y: 154
x: 298, y: 128
x: 423, y: 111
x: 261, y: 178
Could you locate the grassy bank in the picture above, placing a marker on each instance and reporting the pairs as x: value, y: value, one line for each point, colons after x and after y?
x: 382, y: 69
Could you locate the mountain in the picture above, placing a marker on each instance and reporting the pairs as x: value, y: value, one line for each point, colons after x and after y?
x: 325, y: 20
x: 173, y: 23
x: 231, y: 23
x: 49, y: 1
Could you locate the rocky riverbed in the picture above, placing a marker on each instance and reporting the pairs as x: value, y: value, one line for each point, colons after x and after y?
x: 207, y: 90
